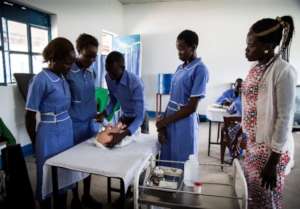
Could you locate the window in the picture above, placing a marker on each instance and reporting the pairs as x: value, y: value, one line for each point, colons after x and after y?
x: 17, y: 36
x: 106, y: 43
x: 1, y: 61
x: 23, y: 35
x: 1, y: 68
x: 39, y: 39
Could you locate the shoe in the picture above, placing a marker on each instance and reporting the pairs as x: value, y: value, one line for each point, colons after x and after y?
x: 90, y: 202
x: 76, y: 204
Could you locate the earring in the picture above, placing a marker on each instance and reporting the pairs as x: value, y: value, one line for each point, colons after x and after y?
x: 266, y: 51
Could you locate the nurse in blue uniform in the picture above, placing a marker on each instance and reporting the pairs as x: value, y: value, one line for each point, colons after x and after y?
x: 83, y: 109
x: 232, y: 99
x: 188, y: 87
x: 128, y: 89
x: 49, y: 95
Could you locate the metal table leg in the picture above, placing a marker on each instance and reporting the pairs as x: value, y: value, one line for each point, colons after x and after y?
x: 209, y: 138
x: 55, y: 188
x: 219, y: 126
x: 122, y: 194
x: 121, y: 191
x: 108, y: 190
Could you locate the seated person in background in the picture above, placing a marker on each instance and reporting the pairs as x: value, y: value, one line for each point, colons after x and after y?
x: 231, y: 98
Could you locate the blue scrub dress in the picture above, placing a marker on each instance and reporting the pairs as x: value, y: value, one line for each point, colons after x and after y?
x: 182, y: 136
x: 49, y: 94
x: 83, y: 107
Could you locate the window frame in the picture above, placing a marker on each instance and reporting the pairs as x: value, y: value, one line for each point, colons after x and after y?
x: 4, y: 23
x: 3, y: 55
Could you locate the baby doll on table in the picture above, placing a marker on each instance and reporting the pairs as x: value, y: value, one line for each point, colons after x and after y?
x: 105, y: 137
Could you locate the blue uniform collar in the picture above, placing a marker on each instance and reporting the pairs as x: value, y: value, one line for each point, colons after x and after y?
x: 75, y: 68
x: 52, y: 76
x: 123, y: 80
x: 191, y: 64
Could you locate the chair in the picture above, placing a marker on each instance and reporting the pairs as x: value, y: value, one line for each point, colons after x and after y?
x: 23, y: 80
x: 228, y: 122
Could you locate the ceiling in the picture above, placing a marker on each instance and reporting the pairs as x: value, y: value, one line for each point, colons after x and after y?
x: 146, y: 1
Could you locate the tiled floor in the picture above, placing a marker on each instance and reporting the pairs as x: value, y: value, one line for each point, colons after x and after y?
x: 292, y: 189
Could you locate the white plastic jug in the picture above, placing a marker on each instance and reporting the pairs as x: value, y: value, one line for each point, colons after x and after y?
x: 191, y: 171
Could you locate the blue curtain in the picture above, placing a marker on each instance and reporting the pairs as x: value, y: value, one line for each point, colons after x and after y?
x: 130, y: 46
x: 99, y: 70
x: 133, y: 62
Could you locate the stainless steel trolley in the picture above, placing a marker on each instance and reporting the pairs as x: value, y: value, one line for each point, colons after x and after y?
x: 220, y: 189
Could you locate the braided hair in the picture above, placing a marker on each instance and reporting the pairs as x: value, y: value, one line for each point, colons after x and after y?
x: 277, y: 32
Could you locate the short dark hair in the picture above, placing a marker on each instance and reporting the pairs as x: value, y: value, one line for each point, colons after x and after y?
x: 85, y: 40
x: 189, y: 37
x: 57, y: 49
x: 114, y: 56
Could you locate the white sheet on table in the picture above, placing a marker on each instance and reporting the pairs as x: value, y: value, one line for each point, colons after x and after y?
x: 217, y: 114
x: 120, y: 163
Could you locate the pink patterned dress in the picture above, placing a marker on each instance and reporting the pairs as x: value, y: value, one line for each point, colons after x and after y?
x: 257, y: 155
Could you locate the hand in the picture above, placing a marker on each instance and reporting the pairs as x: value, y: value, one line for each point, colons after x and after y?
x: 269, y: 172
x: 117, y: 137
x: 158, y: 118
x: 226, y: 103
x: 100, y: 117
x: 120, y: 127
x: 161, y: 123
x: 162, y: 136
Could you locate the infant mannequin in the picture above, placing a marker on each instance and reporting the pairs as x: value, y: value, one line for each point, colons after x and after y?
x: 105, y: 137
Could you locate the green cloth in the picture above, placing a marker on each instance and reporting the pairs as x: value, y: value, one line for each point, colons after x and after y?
x: 102, y: 99
x: 6, y: 134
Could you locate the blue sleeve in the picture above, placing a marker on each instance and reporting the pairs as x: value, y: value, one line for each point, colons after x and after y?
x: 138, y: 98
x: 200, y: 79
x: 35, y: 94
x: 226, y: 96
x: 236, y: 107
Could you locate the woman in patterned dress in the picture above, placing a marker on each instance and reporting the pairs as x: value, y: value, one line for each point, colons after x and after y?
x: 268, y: 97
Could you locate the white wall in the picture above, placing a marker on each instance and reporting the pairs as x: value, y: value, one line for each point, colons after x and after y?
x: 73, y: 17
x: 69, y: 19
x: 222, y: 27
x: 12, y: 112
